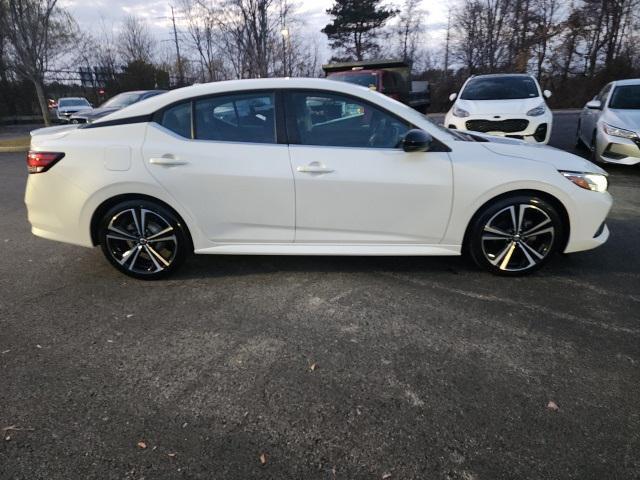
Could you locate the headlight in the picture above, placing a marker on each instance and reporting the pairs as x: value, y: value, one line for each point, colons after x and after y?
x: 588, y: 181
x: 459, y: 112
x: 619, y: 132
x: 536, y: 112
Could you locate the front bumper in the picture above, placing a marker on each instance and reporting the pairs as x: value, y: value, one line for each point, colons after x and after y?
x: 537, y: 129
x: 622, y: 151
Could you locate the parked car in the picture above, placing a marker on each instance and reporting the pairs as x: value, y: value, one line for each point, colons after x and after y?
x: 113, y: 104
x: 67, y: 106
x: 304, y: 167
x: 609, y: 124
x: 391, y: 77
x: 506, y: 105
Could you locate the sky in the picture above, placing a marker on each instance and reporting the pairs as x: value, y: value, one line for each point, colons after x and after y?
x: 93, y: 13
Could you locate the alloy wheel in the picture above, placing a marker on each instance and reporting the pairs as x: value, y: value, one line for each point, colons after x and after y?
x: 518, y: 237
x: 141, y: 241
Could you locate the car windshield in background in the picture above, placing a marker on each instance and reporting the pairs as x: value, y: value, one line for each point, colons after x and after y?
x: 122, y: 100
x: 69, y: 102
x: 363, y: 79
x: 500, y: 88
x: 626, y: 97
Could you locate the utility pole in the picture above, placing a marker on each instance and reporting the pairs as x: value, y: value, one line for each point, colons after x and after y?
x: 179, y: 59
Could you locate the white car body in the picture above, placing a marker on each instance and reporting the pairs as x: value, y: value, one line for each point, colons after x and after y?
x: 503, y: 117
x: 613, y: 134
x: 251, y: 198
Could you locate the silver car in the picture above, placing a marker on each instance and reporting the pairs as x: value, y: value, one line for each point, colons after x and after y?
x: 67, y: 106
x: 609, y: 124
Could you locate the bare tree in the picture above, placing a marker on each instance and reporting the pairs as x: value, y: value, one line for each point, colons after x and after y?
x: 135, y: 41
x: 409, y: 28
x: 39, y: 33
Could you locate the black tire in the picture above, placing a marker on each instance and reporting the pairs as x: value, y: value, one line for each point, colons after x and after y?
x: 495, y: 243
x: 579, y: 143
x: 593, y: 149
x: 143, y: 239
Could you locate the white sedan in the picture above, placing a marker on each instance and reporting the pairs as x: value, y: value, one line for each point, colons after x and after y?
x: 509, y: 105
x: 304, y: 167
x: 609, y: 124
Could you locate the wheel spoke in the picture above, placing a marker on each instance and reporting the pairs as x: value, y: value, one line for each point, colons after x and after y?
x: 120, y: 237
x: 522, y: 209
x: 532, y: 250
x: 135, y: 257
x: 127, y: 255
x: 163, y: 239
x: 502, y: 254
x: 532, y: 262
x: 496, y: 231
x: 155, y: 256
x: 162, y: 232
x: 121, y: 232
x: 135, y: 221
x: 539, y: 232
x: 507, y: 258
x: 538, y: 226
x: 143, y: 224
x: 514, y: 221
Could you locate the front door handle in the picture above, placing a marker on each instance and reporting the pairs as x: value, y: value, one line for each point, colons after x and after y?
x: 167, y: 161
x: 314, y: 167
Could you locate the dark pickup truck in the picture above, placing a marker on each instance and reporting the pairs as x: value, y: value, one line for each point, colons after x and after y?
x: 391, y: 77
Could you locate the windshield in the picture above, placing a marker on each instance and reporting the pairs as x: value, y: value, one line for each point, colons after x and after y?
x: 73, y: 102
x: 626, y: 97
x: 364, y: 79
x: 500, y: 88
x: 122, y: 100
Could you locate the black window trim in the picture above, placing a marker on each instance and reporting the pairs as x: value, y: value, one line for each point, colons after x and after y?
x: 156, y: 117
x: 291, y: 128
x: 283, y: 133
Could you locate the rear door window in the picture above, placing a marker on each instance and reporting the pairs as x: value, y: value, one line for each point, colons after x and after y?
x: 243, y: 117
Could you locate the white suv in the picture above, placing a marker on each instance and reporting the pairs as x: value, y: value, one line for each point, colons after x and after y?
x: 510, y: 105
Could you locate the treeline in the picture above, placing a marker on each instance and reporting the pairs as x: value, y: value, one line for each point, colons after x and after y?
x: 573, y: 47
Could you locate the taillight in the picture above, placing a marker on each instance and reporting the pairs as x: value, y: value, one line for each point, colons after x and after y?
x: 38, y: 162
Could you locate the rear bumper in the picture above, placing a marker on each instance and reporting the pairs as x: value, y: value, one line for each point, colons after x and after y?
x: 53, y: 209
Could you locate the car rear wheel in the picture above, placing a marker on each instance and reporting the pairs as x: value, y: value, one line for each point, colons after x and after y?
x: 143, y: 239
x: 515, y: 236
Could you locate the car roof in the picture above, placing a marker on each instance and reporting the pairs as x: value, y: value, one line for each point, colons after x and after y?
x: 629, y: 81
x: 493, y: 75
x: 71, y: 98
x: 153, y: 104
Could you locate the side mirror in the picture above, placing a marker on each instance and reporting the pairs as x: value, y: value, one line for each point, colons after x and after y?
x: 594, y: 105
x: 547, y: 94
x: 453, y: 97
x: 417, y: 141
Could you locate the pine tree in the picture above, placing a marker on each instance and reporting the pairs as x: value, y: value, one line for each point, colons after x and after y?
x: 356, y: 26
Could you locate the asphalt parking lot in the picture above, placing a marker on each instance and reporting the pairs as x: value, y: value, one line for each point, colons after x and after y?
x: 319, y: 368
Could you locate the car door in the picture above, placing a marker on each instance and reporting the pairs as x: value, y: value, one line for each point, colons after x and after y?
x: 589, y: 117
x: 219, y: 158
x: 354, y: 184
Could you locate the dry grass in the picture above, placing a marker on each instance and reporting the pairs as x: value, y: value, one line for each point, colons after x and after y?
x: 15, y: 143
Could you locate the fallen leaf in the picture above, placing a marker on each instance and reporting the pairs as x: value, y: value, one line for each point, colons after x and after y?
x: 385, y: 476
x: 553, y: 406
x: 263, y: 459
x: 38, y: 346
x: 129, y: 315
x: 5, y: 351
x: 171, y: 455
x: 142, y: 445
x: 313, y: 367
x: 7, y: 438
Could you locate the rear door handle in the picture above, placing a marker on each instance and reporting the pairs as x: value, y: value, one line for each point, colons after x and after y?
x: 314, y: 167
x: 167, y: 161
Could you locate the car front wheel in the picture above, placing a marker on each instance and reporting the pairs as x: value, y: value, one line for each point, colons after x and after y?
x: 515, y: 236
x: 143, y: 239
